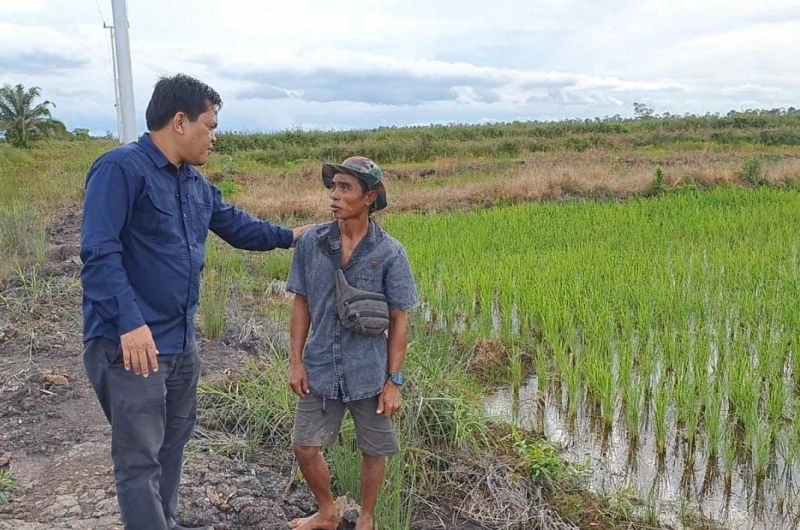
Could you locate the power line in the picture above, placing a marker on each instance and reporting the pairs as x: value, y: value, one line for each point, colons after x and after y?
x: 114, y: 71
x: 102, y: 17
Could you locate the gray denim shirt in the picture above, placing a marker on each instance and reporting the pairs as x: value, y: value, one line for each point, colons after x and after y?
x: 337, y: 359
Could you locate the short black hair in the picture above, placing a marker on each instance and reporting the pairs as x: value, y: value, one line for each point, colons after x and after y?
x: 179, y: 93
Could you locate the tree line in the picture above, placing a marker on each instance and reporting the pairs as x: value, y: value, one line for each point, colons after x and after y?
x: 24, y: 121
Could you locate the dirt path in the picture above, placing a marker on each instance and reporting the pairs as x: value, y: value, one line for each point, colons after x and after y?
x: 53, y: 434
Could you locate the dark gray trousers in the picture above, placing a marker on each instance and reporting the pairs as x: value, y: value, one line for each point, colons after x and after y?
x: 151, y: 420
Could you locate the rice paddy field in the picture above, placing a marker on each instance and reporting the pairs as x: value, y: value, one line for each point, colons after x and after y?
x: 659, y: 332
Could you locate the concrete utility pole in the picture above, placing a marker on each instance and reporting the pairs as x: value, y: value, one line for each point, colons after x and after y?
x: 116, y: 81
x: 122, y: 51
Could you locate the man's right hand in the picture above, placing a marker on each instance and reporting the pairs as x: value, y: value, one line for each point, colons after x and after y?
x: 298, y: 379
x: 139, y: 349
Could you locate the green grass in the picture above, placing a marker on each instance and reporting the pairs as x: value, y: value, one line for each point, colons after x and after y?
x: 698, y: 289
x: 22, y: 234
x: 35, y: 185
x: 8, y: 483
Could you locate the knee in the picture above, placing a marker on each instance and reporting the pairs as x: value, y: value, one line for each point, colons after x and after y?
x: 305, y: 453
x: 372, y: 460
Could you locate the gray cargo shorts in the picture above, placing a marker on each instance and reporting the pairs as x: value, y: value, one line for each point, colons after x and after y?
x: 317, y: 423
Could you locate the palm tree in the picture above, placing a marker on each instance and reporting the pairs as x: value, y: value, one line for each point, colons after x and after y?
x: 20, y: 120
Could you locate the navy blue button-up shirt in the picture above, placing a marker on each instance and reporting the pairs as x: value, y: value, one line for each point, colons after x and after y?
x: 145, y: 225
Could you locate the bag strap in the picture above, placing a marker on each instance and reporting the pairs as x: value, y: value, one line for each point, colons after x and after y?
x: 335, y: 242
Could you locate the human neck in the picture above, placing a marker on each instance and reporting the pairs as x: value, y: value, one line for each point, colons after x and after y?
x: 165, y: 146
x: 354, y: 229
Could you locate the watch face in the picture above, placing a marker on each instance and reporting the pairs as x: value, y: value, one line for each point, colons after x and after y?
x: 397, y: 379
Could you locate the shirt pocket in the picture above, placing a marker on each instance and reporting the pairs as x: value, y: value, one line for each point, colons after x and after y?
x: 201, y: 217
x: 368, y: 282
x: 158, y: 216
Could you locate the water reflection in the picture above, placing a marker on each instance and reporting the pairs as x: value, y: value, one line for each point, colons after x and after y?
x: 683, y: 480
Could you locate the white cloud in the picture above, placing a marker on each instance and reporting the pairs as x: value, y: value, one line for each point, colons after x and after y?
x: 750, y: 89
x: 378, y: 62
x: 15, y: 6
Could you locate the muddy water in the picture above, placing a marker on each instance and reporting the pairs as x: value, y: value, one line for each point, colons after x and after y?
x: 668, y: 486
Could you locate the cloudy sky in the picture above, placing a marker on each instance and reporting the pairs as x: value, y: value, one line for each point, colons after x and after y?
x: 368, y: 63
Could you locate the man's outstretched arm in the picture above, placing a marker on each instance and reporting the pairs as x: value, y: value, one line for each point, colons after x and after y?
x: 241, y: 230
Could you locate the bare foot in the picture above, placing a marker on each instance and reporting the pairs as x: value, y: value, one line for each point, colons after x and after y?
x: 365, y: 522
x: 316, y: 522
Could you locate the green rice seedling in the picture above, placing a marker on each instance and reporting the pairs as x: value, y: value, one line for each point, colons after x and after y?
x: 793, y: 445
x: 760, y: 445
x: 661, y: 400
x: 516, y: 369
x: 543, y: 371
x: 601, y: 384
x: 729, y: 458
x: 633, y: 399
x: 713, y: 423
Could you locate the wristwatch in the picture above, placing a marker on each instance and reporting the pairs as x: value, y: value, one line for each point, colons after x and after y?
x: 397, y: 378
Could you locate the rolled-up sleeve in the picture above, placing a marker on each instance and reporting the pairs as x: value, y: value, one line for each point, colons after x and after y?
x: 108, y: 205
x: 399, y: 286
x: 244, y: 231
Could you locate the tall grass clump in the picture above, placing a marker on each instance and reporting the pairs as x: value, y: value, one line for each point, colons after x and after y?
x: 753, y: 172
x: 22, y: 234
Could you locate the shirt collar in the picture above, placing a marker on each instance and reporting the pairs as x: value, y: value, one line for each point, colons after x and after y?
x: 160, y: 159
x: 374, y: 236
x: 155, y: 154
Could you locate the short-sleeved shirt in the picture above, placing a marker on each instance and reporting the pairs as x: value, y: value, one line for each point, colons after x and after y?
x: 341, y: 363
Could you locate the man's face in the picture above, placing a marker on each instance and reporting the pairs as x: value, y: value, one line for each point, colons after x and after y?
x: 348, y: 200
x: 197, y: 139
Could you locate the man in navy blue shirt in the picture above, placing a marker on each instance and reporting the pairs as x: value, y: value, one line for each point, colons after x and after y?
x: 147, y: 214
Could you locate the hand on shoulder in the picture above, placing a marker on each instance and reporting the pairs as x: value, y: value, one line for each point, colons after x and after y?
x: 299, y: 231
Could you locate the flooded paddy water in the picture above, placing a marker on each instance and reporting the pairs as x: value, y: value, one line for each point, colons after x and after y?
x: 674, y: 485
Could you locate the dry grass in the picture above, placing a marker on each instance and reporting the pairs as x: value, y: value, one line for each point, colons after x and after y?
x: 451, y: 184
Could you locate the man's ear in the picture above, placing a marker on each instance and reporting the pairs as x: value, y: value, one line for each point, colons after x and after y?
x: 178, y: 122
x: 372, y: 197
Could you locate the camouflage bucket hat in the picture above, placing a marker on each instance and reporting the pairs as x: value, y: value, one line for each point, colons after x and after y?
x: 362, y: 168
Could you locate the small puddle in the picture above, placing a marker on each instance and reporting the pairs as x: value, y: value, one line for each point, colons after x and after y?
x: 667, y: 485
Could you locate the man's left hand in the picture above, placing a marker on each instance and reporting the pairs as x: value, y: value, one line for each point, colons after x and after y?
x: 389, y: 401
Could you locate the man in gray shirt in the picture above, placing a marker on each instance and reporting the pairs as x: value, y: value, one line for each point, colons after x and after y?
x: 338, y: 369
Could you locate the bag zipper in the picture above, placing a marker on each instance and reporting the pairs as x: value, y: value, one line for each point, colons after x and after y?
x: 377, y: 297
x: 373, y: 314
